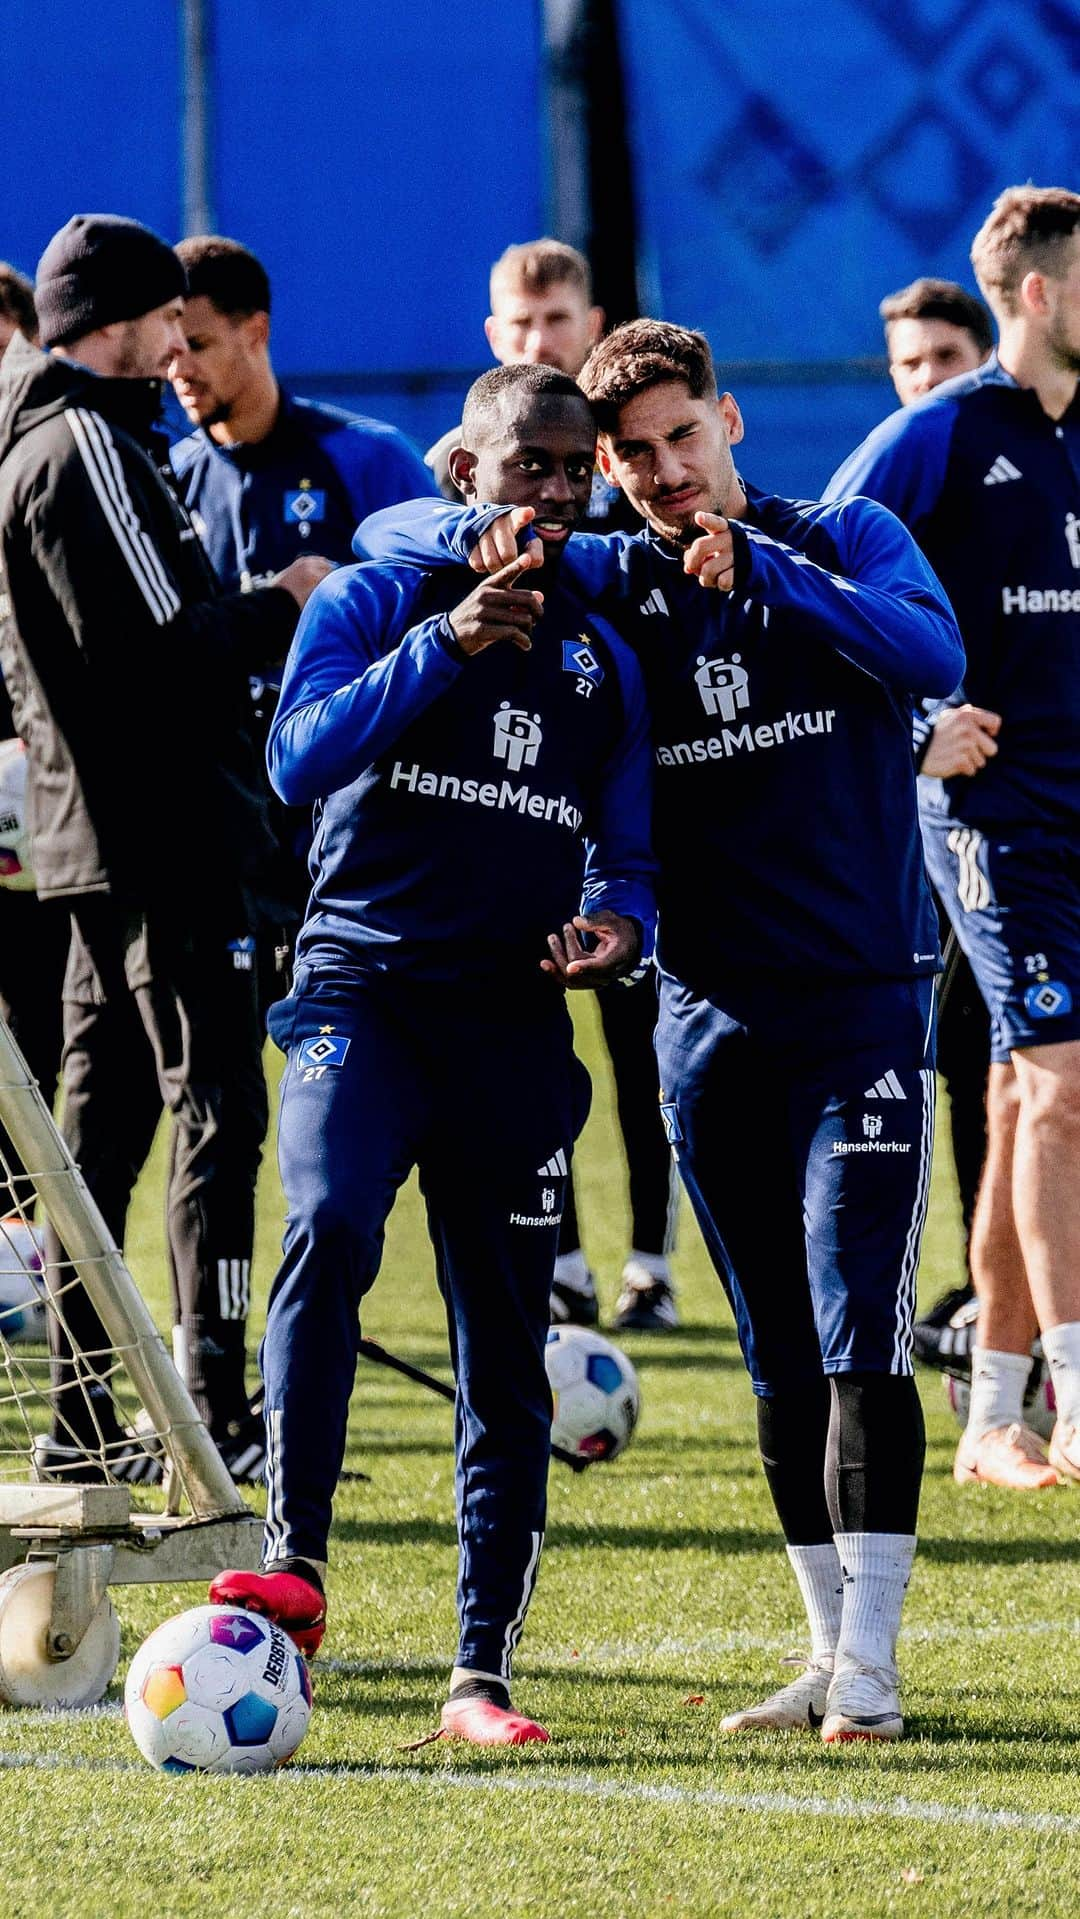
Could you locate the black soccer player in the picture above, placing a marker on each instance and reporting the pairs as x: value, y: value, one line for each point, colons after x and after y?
x: 480, y: 763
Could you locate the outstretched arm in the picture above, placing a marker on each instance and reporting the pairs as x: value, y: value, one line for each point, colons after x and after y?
x: 881, y: 606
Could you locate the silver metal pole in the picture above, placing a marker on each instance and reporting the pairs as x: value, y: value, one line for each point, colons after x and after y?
x: 197, y: 97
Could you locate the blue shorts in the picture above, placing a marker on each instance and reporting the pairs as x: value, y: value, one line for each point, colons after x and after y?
x: 1014, y: 904
x: 803, y: 1131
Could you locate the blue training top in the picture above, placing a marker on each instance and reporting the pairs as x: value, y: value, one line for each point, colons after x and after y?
x: 464, y: 806
x: 303, y: 489
x: 784, y: 816
x: 989, y: 485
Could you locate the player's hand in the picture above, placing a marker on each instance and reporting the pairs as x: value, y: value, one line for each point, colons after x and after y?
x: 496, y: 610
x: 498, y: 544
x: 712, y: 555
x: 963, y: 739
x: 616, y: 949
x: 303, y: 576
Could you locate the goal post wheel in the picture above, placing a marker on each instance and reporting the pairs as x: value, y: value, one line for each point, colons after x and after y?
x: 35, y: 1667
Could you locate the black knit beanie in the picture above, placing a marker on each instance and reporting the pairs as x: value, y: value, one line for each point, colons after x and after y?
x: 98, y: 269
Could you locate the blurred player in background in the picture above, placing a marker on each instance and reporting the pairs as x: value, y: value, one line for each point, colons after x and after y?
x: 480, y: 756
x: 797, y: 954
x: 986, y: 473
x: 268, y: 477
x: 127, y: 672
x: 33, y: 935
x: 542, y: 314
x: 935, y: 330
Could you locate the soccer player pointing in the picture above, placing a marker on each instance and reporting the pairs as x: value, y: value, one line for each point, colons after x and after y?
x: 797, y: 946
x: 478, y: 755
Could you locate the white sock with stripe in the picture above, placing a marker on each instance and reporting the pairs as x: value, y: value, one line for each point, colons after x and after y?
x: 997, y: 1390
x: 876, y: 1568
x: 817, y: 1571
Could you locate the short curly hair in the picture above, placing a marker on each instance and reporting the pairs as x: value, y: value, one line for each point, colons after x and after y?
x: 17, y: 300
x: 643, y: 354
x: 1026, y: 231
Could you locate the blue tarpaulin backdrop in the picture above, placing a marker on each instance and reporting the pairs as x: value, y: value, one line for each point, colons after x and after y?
x: 792, y: 165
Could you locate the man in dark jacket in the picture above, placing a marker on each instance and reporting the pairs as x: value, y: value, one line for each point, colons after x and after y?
x: 128, y: 676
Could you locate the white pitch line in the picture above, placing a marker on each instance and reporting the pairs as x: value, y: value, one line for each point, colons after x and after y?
x: 926, y: 1812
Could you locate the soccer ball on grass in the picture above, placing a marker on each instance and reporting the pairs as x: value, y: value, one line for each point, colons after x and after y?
x: 595, y: 1390
x: 217, y: 1690
x: 22, y: 1291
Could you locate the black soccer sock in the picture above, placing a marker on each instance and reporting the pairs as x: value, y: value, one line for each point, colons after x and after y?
x: 792, y: 1430
x: 875, y: 1454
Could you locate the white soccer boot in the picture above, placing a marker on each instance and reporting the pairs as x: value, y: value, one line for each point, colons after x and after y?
x: 863, y: 1703
x: 797, y: 1707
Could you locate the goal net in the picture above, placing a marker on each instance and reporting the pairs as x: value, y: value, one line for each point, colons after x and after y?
x: 107, y: 1474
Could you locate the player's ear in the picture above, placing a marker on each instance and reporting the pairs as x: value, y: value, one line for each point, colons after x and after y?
x: 259, y: 324
x: 596, y: 324
x: 491, y: 335
x: 603, y: 460
x: 1033, y: 293
x: 732, y: 418
x: 461, y: 467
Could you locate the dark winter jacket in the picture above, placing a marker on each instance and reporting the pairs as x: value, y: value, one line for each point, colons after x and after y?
x: 126, y: 668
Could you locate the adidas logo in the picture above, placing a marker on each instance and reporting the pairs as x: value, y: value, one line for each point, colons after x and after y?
x: 555, y: 1168
x: 888, y: 1087
x: 1001, y: 471
x: 655, y: 603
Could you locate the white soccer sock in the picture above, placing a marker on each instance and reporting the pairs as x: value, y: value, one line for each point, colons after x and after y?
x: 571, y: 1270
x: 876, y: 1568
x: 997, y: 1390
x: 1061, y: 1347
x: 817, y: 1570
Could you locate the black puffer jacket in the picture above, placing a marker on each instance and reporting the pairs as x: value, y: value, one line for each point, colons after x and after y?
x: 126, y: 668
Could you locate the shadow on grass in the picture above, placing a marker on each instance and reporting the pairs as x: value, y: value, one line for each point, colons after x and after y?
x: 999, y: 1552
x: 563, y: 1537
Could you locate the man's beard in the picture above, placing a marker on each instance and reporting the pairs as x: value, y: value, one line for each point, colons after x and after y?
x: 1066, y: 351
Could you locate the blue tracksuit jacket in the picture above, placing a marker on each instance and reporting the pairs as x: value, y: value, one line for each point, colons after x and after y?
x: 989, y: 486
x: 304, y: 488
x: 784, y: 813
x: 459, y: 800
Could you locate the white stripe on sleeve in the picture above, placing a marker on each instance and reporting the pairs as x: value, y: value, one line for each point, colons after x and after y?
x: 102, y: 462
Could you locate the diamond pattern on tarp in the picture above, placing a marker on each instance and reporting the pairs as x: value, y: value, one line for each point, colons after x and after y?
x: 928, y: 178
x: 785, y: 177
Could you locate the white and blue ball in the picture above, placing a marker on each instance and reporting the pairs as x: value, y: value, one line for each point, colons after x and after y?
x: 217, y: 1690
x: 22, y: 1283
x: 595, y: 1392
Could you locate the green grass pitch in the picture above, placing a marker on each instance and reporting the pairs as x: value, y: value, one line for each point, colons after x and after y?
x: 664, y: 1600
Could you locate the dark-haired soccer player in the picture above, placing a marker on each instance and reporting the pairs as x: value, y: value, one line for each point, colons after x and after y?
x: 986, y: 473
x: 797, y: 948
x: 934, y: 330
x: 480, y: 763
x: 267, y: 477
